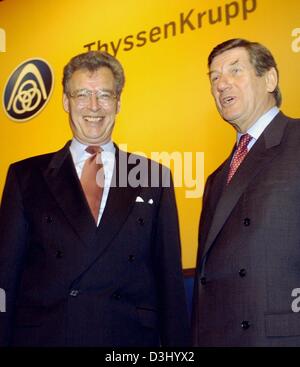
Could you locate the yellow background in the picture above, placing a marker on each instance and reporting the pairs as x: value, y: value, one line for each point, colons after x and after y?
x: 166, y: 104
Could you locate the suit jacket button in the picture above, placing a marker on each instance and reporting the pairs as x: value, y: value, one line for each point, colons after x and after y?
x: 245, y: 324
x: 247, y: 222
x: 203, y: 280
x: 242, y: 273
x: 117, y: 296
x: 131, y: 258
x: 141, y: 221
x: 59, y: 254
x: 74, y: 293
x: 49, y: 219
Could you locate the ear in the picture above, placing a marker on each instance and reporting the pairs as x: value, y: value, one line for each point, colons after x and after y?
x: 271, y: 78
x: 118, y: 106
x: 66, y: 103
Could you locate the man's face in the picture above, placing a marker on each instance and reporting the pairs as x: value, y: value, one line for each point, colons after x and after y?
x: 91, y: 119
x: 241, y: 96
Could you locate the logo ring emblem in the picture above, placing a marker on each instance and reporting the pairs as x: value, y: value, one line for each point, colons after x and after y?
x: 28, y: 90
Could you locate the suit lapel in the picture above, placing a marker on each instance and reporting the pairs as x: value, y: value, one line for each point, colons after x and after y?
x: 215, y: 184
x: 219, y: 184
x: 120, y: 201
x: 264, y: 150
x: 63, y: 182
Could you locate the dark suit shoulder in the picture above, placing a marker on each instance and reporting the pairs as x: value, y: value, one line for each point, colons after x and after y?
x: 290, y: 120
x: 291, y: 129
x: 293, y: 124
x: 26, y: 171
x: 39, y: 160
x: 42, y: 160
x: 30, y: 168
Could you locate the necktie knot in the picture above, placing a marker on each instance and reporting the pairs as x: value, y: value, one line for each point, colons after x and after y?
x: 244, y: 141
x: 93, y: 149
x: 239, y: 155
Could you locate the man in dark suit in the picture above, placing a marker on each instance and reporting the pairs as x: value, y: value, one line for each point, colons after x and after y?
x: 91, y: 260
x: 249, y: 254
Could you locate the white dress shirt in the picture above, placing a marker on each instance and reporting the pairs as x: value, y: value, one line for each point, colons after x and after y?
x: 258, y: 128
x: 80, y: 155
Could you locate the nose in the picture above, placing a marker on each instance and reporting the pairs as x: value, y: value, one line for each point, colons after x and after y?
x: 223, y: 83
x: 94, y: 104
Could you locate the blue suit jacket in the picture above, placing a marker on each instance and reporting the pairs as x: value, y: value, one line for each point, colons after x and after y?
x: 249, y: 246
x: 69, y: 283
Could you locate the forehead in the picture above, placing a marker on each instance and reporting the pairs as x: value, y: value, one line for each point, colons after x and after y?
x: 100, y: 77
x: 230, y: 57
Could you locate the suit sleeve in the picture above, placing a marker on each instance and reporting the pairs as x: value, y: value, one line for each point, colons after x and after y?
x: 13, y: 229
x: 174, y: 323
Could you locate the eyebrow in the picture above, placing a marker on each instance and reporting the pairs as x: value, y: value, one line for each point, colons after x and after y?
x: 101, y: 90
x: 235, y: 62
x: 231, y: 64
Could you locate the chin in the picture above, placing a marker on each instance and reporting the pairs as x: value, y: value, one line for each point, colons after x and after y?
x: 94, y: 140
x: 98, y: 140
x: 230, y: 117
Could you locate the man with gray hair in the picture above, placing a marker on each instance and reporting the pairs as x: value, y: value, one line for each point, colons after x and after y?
x: 88, y: 255
x: 249, y: 235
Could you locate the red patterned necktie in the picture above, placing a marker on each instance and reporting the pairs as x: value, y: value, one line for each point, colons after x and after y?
x: 239, y: 155
x: 92, y: 180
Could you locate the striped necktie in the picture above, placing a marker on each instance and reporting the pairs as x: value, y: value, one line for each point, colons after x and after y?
x: 92, y: 180
x: 239, y: 155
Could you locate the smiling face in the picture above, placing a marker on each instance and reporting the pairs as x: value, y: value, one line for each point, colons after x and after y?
x: 91, y: 121
x: 241, y: 96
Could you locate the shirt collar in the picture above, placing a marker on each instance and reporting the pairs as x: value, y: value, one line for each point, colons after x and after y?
x: 79, y: 153
x: 257, y: 129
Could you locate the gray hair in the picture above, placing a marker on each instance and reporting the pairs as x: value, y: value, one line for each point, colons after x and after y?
x: 92, y: 61
x: 260, y: 57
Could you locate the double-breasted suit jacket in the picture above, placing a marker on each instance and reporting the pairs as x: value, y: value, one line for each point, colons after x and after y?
x: 249, y: 246
x: 70, y: 283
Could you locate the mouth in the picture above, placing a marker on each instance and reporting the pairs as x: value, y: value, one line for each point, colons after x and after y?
x: 93, y: 119
x: 228, y: 100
